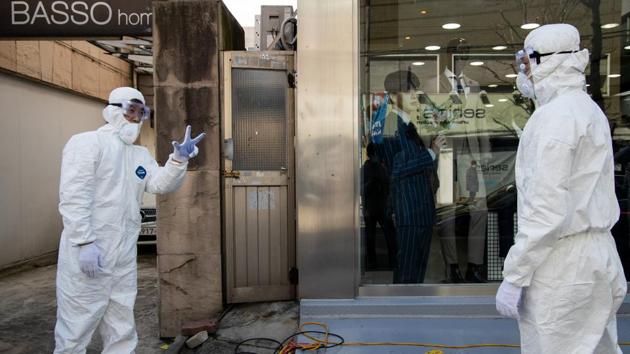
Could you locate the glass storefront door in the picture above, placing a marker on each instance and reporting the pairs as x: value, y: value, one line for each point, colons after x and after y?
x: 448, y: 216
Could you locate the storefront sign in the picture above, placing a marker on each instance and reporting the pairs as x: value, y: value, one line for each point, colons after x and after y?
x: 69, y: 18
x: 495, y: 170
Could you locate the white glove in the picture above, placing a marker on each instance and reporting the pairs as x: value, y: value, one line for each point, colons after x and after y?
x: 509, y: 299
x: 90, y: 259
x: 187, y: 149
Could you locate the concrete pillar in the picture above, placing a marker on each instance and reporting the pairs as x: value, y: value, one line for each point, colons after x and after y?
x: 188, y: 36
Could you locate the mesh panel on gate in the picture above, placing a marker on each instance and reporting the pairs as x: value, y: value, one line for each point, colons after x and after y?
x: 259, y: 118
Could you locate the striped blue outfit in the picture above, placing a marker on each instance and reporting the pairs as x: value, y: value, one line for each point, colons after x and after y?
x: 411, y: 195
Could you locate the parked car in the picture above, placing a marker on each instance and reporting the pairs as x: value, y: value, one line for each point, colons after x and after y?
x: 148, y: 230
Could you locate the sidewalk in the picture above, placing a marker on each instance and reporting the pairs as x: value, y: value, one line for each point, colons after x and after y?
x: 27, y: 305
x: 28, y: 308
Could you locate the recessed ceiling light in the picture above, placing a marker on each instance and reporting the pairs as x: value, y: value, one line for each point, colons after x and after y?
x: 432, y: 47
x: 489, y: 105
x: 424, y: 12
x: 614, y: 76
x: 529, y: 26
x: 610, y: 25
x: 476, y: 63
x: 499, y: 47
x: 451, y: 26
x: 407, y: 38
x: 511, y: 76
x: 493, y: 85
x: 503, y: 99
x: 627, y: 47
x: 418, y: 63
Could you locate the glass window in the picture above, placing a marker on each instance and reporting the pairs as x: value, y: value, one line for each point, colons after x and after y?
x: 448, y: 68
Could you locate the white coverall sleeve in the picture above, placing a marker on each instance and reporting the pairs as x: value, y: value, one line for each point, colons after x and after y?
x: 545, y: 215
x: 76, y: 187
x: 167, y: 178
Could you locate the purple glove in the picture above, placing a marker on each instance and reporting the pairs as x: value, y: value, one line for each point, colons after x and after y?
x: 188, y: 148
x: 90, y: 259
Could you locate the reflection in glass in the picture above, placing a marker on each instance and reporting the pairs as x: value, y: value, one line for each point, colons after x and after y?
x: 461, y: 231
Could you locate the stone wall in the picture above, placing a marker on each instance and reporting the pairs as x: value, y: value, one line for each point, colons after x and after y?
x: 188, y: 37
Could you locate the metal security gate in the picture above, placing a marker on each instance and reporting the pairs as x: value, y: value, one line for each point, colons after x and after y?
x: 258, y: 176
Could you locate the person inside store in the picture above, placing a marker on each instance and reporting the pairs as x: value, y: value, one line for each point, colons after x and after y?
x: 472, y: 181
x: 375, y: 191
x: 412, y: 169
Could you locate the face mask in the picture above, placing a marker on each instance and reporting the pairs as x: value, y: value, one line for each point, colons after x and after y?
x: 129, y: 132
x: 525, y: 66
x: 525, y: 85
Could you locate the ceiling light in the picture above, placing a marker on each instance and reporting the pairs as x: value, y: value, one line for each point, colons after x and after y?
x: 418, y: 63
x: 407, y: 38
x: 451, y: 26
x: 529, y: 26
x: 503, y: 99
x: 476, y: 63
x: 499, y: 47
x: 489, y: 105
x: 614, y: 76
x: 610, y: 25
x: 627, y: 47
x: 511, y: 76
x: 432, y: 47
x: 424, y: 12
x: 493, y: 85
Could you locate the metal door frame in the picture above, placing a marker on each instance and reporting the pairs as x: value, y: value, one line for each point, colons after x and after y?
x: 269, y: 60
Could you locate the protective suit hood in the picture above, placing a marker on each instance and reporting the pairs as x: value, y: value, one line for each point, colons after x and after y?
x: 557, y: 73
x: 113, y: 115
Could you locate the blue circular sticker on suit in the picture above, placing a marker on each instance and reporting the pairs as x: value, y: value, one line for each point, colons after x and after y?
x: 141, y: 172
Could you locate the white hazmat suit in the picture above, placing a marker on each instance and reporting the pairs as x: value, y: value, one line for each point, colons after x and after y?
x: 102, y: 183
x: 564, y: 256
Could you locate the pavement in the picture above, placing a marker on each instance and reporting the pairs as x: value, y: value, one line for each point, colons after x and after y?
x: 28, y: 305
x: 28, y: 308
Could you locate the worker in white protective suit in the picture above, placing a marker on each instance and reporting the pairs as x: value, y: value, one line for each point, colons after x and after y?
x: 563, y: 279
x: 103, y: 178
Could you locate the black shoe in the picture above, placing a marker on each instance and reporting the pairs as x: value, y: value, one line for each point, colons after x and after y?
x: 454, y: 274
x: 474, y: 274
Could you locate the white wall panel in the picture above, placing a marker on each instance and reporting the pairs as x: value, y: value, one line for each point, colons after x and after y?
x: 35, y: 123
